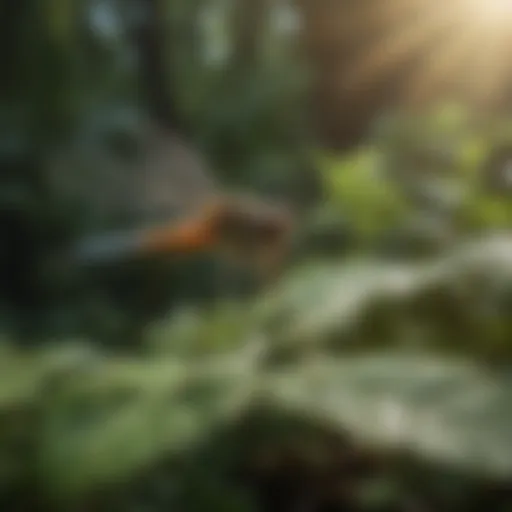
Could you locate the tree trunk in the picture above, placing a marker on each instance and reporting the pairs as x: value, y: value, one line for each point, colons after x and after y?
x: 156, y: 85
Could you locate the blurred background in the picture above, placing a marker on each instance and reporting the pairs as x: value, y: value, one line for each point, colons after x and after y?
x: 371, y: 370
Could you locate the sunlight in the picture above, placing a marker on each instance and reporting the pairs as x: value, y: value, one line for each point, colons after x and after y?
x: 461, y: 48
x: 490, y: 21
x: 491, y: 11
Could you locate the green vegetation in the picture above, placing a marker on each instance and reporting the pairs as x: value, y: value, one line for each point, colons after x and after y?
x: 373, y: 375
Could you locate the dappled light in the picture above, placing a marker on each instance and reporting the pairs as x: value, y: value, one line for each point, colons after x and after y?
x: 462, y: 44
x: 256, y: 256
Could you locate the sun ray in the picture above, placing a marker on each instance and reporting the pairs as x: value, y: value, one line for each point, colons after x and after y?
x: 444, y: 64
x: 399, y: 45
x: 490, y: 67
x: 417, y: 51
x: 371, y: 18
x: 357, y: 21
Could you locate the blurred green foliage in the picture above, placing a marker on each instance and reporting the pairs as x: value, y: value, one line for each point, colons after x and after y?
x: 388, y: 323
x: 395, y: 354
x: 441, y: 171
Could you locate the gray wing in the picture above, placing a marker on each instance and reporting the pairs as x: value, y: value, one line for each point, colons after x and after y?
x: 143, y: 176
x: 172, y: 178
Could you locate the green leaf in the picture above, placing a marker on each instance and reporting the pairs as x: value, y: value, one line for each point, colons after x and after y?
x: 451, y: 411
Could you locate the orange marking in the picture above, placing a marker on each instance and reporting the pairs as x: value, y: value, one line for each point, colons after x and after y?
x: 188, y: 236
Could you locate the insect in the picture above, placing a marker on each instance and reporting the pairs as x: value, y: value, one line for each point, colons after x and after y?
x: 176, y: 208
x: 152, y: 214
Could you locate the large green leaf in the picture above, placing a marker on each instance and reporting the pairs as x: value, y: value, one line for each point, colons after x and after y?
x: 96, y: 421
x: 337, y: 300
x: 451, y: 411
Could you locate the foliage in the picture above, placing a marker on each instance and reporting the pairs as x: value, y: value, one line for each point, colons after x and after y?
x: 99, y: 420
x: 357, y: 188
x: 389, y: 332
x: 423, y: 179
